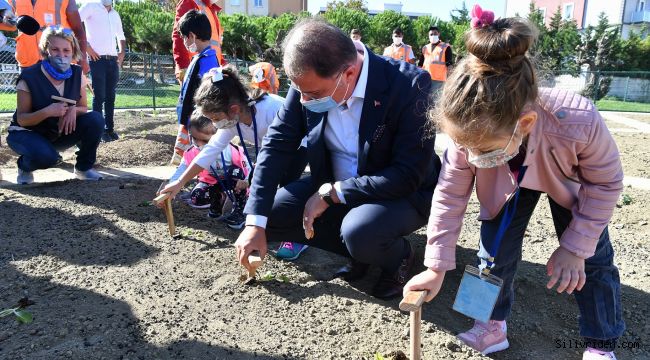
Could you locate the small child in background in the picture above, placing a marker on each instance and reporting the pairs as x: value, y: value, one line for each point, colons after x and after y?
x: 264, y: 77
x: 216, y: 185
x: 196, y: 32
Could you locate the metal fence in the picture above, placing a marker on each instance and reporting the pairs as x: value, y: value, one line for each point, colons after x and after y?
x: 148, y: 81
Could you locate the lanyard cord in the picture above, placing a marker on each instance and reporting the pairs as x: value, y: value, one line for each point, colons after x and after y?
x: 506, y: 220
x: 241, y: 138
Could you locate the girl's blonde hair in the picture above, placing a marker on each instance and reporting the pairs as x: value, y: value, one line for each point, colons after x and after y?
x: 63, y: 33
x: 488, y: 90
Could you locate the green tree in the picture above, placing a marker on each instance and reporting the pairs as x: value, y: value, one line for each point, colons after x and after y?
x: 558, y: 49
x: 381, y: 29
x: 347, y: 19
x: 359, y: 5
x: 461, y: 15
x: 242, y: 37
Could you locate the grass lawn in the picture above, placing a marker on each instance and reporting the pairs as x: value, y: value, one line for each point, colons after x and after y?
x: 616, y: 105
x: 126, y: 98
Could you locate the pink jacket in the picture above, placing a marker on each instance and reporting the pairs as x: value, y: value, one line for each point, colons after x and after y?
x: 571, y: 156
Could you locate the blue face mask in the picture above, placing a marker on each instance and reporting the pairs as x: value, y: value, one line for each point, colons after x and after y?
x: 326, y: 103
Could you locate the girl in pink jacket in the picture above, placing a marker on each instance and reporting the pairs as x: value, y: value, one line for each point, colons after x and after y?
x: 513, y: 141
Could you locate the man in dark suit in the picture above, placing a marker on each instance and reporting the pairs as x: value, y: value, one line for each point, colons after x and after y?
x: 373, y: 166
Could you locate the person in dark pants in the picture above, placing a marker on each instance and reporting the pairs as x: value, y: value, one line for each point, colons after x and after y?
x: 105, y: 35
x: 373, y: 171
x: 41, y: 125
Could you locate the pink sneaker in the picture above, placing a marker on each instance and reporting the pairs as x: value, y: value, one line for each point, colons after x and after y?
x: 486, y: 337
x: 593, y: 354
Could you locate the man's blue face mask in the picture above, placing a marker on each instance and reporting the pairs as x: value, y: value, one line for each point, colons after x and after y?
x: 326, y: 103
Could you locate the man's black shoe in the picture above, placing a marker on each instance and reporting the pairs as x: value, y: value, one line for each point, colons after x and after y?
x: 390, y: 285
x: 352, y: 271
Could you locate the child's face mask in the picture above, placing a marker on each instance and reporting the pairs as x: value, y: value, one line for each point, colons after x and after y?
x: 497, y: 157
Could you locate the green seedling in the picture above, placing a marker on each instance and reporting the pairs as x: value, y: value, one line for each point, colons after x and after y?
x: 379, y: 356
x: 269, y: 276
x: 627, y: 199
x: 23, y: 316
x: 145, y: 204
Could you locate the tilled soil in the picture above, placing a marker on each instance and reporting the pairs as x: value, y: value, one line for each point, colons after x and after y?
x: 108, y: 282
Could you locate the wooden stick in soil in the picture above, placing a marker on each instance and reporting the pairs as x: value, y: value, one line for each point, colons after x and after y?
x: 412, y: 302
x: 255, y: 261
x: 167, y: 208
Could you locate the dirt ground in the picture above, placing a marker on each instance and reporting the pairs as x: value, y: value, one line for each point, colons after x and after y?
x: 109, y: 283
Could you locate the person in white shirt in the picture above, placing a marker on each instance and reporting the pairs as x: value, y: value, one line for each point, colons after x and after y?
x: 237, y: 112
x: 105, y: 36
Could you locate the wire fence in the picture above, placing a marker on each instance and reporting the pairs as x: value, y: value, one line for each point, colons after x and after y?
x: 148, y: 81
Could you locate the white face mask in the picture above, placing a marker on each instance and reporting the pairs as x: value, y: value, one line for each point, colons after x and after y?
x: 397, y: 40
x: 497, y: 157
x: 434, y: 39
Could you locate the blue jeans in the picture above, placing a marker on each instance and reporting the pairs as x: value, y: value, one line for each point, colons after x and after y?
x: 37, y: 152
x: 599, y: 301
x: 105, y: 74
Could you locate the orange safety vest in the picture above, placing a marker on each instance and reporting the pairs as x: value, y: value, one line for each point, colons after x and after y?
x: 264, y: 76
x: 435, y: 62
x: 398, y: 53
x: 217, y: 29
x: 47, y: 13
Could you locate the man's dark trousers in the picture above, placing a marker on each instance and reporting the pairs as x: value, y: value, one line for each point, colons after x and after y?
x: 372, y: 233
x: 105, y: 74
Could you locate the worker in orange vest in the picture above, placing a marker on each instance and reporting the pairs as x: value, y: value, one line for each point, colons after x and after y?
x: 398, y: 50
x: 436, y: 58
x: 62, y: 13
x: 182, y: 56
x: 264, y: 77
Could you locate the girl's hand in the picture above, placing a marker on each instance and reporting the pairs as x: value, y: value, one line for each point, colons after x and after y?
x: 427, y: 280
x: 241, y: 185
x: 567, y: 267
x: 172, y: 188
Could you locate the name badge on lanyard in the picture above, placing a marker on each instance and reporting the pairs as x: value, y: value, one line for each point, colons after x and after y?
x: 479, y: 290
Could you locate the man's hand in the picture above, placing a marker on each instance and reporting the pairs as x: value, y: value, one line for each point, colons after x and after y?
x: 94, y: 56
x: 251, y: 239
x: 180, y: 75
x: 120, y: 59
x: 427, y: 280
x: 314, y: 208
x: 68, y: 122
x: 84, y: 64
x: 172, y: 188
x: 567, y: 267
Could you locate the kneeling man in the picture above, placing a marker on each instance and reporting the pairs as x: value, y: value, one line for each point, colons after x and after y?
x: 373, y: 166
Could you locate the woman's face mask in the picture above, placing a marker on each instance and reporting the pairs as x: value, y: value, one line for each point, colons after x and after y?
x: 434, y: 38
x: 397, y: 40
x: 497, y: 157
x: 60, y: 63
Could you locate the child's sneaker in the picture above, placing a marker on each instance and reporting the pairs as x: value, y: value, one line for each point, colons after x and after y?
x: 24, y: 177
x: 594, y: 354
x: 290, y: 251
x: 236, y: 219
x: 487, y: 337
x: 201, y: 196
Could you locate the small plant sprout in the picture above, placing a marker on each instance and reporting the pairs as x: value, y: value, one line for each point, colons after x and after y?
x: 23, y: 316
x: 626, y: 199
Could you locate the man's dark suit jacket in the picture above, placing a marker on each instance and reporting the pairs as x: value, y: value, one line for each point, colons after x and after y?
x: 396, y: 157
